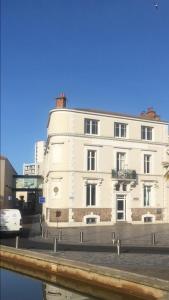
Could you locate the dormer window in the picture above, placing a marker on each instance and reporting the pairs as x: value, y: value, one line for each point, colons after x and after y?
x: 120, y: 130
x: 90, y: 126
x: 146, y: 133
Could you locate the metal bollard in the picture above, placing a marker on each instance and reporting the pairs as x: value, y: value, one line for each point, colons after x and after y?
x: 55, y: 245
x: 81, y: 237
x: 60, y: 235
x: 17, y: 242
x: 113, y: 238
x: 45, y: 233
x: 118, y: 247
x: 153, y: 238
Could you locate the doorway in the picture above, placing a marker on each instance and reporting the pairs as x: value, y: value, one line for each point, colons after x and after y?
x: 121, y: 207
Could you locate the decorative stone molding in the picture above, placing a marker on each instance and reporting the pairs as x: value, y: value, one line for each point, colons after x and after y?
x: 132, y: 185
x: 91, y: 215
x: 100, y: 181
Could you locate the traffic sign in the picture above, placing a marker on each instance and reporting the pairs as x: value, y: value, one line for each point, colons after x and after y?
x: 41, y: 200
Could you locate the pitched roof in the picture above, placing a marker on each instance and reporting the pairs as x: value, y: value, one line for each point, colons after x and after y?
x: 143, y: 116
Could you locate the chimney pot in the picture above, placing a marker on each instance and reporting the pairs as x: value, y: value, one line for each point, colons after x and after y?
x: 61, y: 101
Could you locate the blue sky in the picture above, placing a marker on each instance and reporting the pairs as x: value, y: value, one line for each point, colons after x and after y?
x: 106, y: 54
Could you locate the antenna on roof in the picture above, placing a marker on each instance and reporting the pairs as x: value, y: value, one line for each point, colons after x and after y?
x: 156, y: 4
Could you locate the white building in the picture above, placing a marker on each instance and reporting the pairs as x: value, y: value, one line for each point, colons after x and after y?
x: 36, y: 167
x: 102, y: 167
x: 29, y: 169
x: 39, y: 151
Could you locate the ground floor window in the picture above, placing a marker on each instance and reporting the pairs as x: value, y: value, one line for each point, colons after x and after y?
x: 91, y: 220
x: 148, y: 219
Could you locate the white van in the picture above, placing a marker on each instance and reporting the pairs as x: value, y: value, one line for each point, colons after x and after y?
x: 10, y: 220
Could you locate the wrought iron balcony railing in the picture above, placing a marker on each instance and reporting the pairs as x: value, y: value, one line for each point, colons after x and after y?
x: 124, y: 174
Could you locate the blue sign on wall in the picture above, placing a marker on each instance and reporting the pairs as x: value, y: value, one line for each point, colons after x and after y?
x: 41, y: 200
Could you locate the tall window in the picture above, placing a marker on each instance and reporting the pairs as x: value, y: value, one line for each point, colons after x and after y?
x: 120, y: 161
x: 147, y: 164
x: 91, y: 160
x: 147, y: 195
x: 91, y: 126
x: 146, y: 133
x: 120, y: 130
x: 90, y: 194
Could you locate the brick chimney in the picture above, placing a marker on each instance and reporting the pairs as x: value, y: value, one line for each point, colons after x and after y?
x: 150, y: 114
x: 61, y: 101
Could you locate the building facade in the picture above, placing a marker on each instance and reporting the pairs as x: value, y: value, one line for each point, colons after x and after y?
x: 7, y: 183
x: 101, y: 167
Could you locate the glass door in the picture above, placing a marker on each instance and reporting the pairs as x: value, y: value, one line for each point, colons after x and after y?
x: 121, y: 207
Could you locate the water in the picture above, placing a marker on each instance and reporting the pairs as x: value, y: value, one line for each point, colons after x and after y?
x: 15, y: 286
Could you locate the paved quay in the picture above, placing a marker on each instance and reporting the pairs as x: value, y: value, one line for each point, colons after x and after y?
x: 98, y: 281
x: 139, y: 252
x: 144, y: 248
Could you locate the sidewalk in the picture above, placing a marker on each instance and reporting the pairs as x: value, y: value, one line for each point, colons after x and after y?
x: 129, y: 234
x: 138, y: 254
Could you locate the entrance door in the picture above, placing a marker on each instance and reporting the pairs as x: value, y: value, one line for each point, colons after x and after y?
x: 121, y: 207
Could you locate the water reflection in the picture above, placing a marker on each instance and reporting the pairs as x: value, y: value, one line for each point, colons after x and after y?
x: 16, y: 286
x: 20, y: 287
x: 52, y: 292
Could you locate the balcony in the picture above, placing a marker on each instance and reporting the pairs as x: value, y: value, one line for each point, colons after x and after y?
x: 124, y: 174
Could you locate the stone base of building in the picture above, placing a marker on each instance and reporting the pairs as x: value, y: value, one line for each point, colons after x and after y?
x: 102, y: 216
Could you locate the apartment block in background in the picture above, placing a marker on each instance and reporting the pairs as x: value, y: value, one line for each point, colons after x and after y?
x: 36, y: 167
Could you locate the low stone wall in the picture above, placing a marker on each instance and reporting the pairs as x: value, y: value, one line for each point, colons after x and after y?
x: 79, y: 213
x: 95, y: 281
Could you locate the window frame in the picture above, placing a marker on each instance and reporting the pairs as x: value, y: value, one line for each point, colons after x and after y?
x: 146, y: 133
x: 90, y: 194
x: 147, y: 195
x: 120, y: 161
x: 91, y: 126
x: 147, y: 163
x: 91, y: 160
x: 118, y: 129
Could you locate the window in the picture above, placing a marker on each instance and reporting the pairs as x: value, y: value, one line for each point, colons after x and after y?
x: 121, y: 207
x: 147, y: 163
x: 91, y: 126
x: 120, y: 130
x: 146, y: 133
x: 90, y: 194
x: 91, y: 221
x: 91, y: 160
x: 120, y: 161
x: 147, y: 195
x: 148, y: 219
